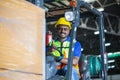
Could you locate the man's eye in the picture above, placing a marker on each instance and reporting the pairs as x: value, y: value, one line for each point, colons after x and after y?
x: 62, y: 29
x: 65, y: 29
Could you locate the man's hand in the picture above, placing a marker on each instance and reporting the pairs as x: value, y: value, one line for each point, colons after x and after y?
x: 58, y: 59
x: 52, y: 48
x: 56, y: 53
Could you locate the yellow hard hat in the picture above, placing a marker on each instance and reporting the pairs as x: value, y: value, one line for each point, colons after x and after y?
x: 63, y: 21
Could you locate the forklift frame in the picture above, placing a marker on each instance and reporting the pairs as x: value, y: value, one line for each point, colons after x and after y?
x: 75, y: 24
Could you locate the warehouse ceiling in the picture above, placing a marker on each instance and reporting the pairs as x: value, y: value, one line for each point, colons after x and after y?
x: 86, y: 32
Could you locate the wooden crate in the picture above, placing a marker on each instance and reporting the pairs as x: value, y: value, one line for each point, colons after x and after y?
x: 22, y: 30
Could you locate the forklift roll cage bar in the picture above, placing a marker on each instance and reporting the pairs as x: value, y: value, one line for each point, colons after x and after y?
x: 75, y: 24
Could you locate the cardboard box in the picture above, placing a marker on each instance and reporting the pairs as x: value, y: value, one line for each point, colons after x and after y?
x: 22, y: 30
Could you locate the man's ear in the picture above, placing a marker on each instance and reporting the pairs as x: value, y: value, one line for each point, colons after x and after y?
x: 70, y: 32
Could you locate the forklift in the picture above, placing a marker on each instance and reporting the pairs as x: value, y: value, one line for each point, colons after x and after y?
x: 74, y: 17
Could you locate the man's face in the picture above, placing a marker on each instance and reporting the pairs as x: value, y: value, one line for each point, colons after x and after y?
x: 63, y: 31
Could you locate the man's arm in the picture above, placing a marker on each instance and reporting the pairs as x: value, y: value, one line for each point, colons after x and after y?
x: 75, y: 60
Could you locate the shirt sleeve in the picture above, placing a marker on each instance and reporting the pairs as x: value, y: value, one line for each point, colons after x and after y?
x: 77, y: 49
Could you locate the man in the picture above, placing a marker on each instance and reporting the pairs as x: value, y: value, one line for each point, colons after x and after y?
x: 60, y: 49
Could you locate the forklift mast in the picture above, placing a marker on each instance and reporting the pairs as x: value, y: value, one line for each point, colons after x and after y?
x: 75, y: 24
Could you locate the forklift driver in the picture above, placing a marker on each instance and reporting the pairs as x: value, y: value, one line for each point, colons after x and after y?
x: 60, y: 49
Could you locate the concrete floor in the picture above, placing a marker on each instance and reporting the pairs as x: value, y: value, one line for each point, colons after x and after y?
x: 111, y: 77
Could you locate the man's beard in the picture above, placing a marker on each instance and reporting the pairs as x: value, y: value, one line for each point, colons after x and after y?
x: 62, y: 35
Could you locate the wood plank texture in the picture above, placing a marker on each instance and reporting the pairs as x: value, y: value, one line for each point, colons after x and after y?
x: 21, y: 29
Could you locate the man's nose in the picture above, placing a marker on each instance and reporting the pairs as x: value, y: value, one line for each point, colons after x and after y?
x: 62, y: 30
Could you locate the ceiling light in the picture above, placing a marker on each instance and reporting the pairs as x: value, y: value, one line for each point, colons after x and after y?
x: 82, y: 49
x: 107, y: 44
x: 100, y: 9
x: 97, y: 32
x: 90, y: 1
x: 113, y: 66
x: 111, y: 61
